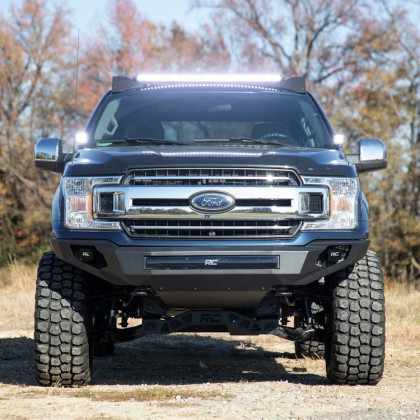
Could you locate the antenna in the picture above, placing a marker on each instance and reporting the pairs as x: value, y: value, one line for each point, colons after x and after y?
x: 77, y: 78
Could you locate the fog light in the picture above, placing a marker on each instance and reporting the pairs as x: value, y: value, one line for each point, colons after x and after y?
x: 336, y: 254
x: 86, y: 254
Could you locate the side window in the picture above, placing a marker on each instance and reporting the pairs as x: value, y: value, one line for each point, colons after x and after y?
x: 310, y: 140
x: 312, y: 126
x: 108, y: 124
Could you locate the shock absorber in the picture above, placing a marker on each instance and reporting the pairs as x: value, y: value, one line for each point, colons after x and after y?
x: 307, y: 311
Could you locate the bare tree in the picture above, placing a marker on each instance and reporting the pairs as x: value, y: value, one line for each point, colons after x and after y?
x: 318, y: 39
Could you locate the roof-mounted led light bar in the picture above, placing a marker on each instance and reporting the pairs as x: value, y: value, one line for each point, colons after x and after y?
x: 256, y: 81
x: 209, y: 78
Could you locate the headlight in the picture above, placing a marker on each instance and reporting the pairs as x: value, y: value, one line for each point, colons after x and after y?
x: 78, y: 203
x: 343, y: 206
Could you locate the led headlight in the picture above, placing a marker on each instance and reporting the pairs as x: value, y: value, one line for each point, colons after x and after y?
x: 78, y: 203
x: 343, y: 206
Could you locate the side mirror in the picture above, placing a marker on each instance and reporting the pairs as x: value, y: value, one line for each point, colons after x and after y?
x: 49, y: 155
x: 372, y: 155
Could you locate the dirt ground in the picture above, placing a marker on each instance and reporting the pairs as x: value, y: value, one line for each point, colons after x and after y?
x: 207, y: 376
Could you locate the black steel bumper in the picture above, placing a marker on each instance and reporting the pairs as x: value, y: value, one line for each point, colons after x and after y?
x: 208, y: 277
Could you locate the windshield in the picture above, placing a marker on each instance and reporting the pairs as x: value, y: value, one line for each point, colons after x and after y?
x: 200, y: 116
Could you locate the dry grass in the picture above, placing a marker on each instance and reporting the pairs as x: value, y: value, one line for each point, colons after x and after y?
x: 403, y: 303
x: 17, y: 290
x: 20, y: 278
x: 155, y: 393
x: 403, y: 324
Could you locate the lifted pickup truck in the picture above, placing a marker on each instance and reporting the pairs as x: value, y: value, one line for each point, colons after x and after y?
x: 209, y: 205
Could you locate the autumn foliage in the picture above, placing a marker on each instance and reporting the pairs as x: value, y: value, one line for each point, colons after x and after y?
x: 361, y: 58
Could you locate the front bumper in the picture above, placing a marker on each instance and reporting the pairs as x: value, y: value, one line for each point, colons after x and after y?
x: 208, y: 276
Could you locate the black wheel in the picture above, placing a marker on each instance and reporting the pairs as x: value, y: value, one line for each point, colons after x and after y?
x: 62, y: 351
x: 311, y: 349
x: 355, y: 351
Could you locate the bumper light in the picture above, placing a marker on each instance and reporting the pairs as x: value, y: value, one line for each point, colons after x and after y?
x: 336, y: 254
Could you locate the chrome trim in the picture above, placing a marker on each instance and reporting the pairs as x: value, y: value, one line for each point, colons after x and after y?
x: 250, y: 194
x: 266, y: 203
x: 372, y: 150
x: 213, y: 176
x: 186, y: 227
x: 181, y: 178
x: 48, y: 149
x: 232, y: 228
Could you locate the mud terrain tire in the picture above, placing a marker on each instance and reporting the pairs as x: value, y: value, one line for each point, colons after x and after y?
x: 355, y: 352
x: 62, y: 355
x: 310, y: 349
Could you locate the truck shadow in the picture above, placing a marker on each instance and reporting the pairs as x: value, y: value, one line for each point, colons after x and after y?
x: 171, y: 360
x: 195, y: 359
x: 16, y: 361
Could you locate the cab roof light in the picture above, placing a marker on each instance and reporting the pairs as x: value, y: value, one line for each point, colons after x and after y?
x: 252, y: 81
x: 209, y: 78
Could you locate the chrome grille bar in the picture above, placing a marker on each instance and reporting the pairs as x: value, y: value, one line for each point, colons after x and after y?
x: 212, y: 176
x: 211, y: 229
x: 180, y: 227
x: 257, y: 199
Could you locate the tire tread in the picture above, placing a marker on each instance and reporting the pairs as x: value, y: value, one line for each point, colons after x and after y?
x: 61, y: 340
x: 356, y: 352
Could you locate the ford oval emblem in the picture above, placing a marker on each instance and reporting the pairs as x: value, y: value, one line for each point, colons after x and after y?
x: 212, y: 202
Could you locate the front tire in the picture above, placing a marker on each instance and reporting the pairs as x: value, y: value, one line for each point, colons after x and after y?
x: 62, y: 351
x: 355, y: 351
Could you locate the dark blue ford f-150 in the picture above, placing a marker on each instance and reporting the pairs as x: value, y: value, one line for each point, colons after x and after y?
x: 209, y: 204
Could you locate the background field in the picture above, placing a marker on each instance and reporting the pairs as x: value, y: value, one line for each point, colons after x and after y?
x: 205, y: 375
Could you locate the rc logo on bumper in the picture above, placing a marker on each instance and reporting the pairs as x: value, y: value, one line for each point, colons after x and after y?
x: 212, y: 202
x: 216, y: 262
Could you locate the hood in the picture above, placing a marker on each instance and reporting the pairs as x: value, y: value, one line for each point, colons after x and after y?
x: 119, y: 160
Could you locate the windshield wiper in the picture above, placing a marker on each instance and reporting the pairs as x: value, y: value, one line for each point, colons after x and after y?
x: 239, y: 139
x: 135, y: 140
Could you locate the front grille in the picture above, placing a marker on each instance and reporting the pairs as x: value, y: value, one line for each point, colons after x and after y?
x: 212, y: 177
x: 161, y: 203
x: 211, y: 228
